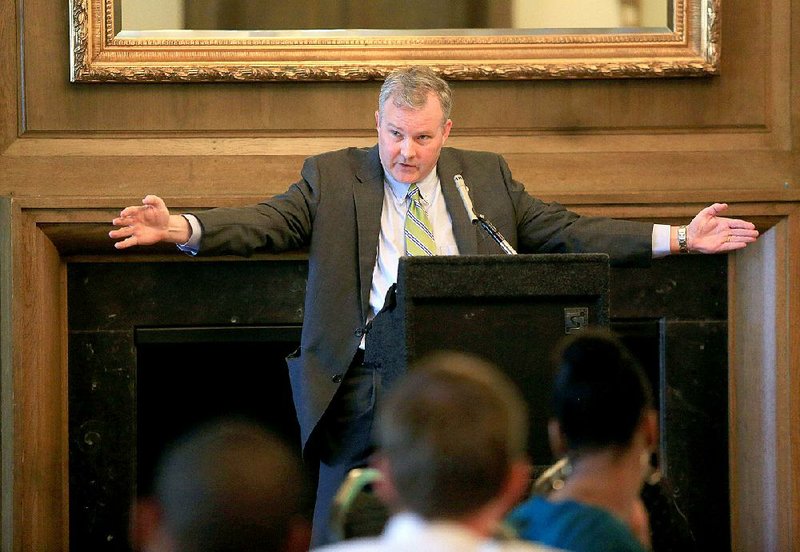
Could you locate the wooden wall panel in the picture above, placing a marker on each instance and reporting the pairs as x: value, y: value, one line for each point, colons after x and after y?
x: 653, y: 148
x: 63, y: 167
x: 737, y: 131
x: 40, y: 392
x: 7, y: 494
x: 735, y: 99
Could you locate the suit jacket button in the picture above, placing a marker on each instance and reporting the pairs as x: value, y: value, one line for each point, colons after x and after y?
x: 337, y: 378
x: 359, y: 332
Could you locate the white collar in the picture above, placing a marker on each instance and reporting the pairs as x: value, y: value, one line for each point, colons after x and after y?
x: 428, y: 187
x: 407, y: 524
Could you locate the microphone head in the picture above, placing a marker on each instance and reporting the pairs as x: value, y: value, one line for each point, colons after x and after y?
x: 463, y: 191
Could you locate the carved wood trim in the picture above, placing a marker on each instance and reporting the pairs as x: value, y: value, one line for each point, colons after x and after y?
x: 100, y: 55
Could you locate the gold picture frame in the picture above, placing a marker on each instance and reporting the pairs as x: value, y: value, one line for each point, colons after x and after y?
x: 100, y: 53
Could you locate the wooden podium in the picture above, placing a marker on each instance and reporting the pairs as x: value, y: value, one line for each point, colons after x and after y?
x: 509, y: 309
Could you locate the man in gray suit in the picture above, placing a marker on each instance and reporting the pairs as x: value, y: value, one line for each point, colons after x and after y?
x: 349, y: 208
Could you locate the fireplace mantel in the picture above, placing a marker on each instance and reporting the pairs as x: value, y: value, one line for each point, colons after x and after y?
x: 40, y: 236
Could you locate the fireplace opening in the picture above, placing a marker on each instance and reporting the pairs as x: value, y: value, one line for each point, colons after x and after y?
x: 188, y: 376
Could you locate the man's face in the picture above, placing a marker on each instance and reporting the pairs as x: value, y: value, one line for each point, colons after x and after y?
x: 410, y: 140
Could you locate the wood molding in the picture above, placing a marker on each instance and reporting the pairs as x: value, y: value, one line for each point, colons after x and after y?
x: 87, y: 208
x: 9, y: 60
x: 610, y: 141
x: 8, y: 493
x: 544, y: 175
x: 40, y: 391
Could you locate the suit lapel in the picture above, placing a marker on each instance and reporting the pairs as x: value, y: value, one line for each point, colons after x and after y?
x: 368, y: 197
x: 463, y: 229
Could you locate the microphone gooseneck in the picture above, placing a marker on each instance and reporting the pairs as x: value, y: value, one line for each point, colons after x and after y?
x: 463, y: 191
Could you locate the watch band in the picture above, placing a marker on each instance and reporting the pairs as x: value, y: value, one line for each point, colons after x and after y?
x: 682, y: 245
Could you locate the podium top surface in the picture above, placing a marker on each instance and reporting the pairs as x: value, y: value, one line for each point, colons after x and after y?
x: 504, y: 275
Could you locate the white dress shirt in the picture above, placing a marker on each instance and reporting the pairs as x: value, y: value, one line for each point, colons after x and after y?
x: 392, y: 242
x: 410, y: 533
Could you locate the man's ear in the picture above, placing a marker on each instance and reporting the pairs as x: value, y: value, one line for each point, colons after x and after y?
x: 650, y: 429
x: 298, y: 537
x: 517, y: 486
x: 446, y: 129
x: 145, y: 524
x: 557, y: 442
x: 384, y: 487
x: 377, y: 119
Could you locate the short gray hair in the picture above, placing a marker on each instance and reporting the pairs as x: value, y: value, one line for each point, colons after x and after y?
x: 410, y: 87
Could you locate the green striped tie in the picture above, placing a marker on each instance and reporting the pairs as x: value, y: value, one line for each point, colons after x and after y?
x: 419, y: 237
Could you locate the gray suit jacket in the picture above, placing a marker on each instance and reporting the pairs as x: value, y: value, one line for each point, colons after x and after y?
x: 335, y: 210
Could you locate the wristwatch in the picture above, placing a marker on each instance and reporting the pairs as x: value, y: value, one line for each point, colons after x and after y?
x: 682, y: 245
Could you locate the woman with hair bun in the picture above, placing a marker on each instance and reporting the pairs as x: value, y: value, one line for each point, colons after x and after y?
x: 605, y: 425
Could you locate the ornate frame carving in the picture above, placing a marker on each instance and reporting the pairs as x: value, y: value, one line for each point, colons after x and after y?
x: 99, y: 54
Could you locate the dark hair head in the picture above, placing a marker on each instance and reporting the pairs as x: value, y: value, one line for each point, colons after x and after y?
x: 410, y: 87
x: 600, y: 392
x: 230, y: 485
x: 451, y: 429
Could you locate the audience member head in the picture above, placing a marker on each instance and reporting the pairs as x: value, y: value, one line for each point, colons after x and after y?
x: 605, y: 424
x: 227, y: 486
x: 410, y: 88
x: 601, y: 395
x: 452, y: 435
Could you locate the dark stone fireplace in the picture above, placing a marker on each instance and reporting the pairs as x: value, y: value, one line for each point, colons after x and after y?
x: 156, y: 347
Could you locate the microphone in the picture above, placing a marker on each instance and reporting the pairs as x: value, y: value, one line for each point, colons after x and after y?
x: 463, y: 191
x: 495, y: 234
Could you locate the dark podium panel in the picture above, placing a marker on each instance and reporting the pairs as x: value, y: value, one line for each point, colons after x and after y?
x: 509, y: 309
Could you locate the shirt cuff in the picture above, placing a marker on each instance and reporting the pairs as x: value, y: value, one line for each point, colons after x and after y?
x: 661, y: 239
x: 192, y: 246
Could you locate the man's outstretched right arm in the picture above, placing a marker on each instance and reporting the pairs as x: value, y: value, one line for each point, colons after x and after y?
x: 148, y: 224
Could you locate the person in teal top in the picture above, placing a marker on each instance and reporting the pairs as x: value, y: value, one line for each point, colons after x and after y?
x: 572, y: 525
x: 605, y: 425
